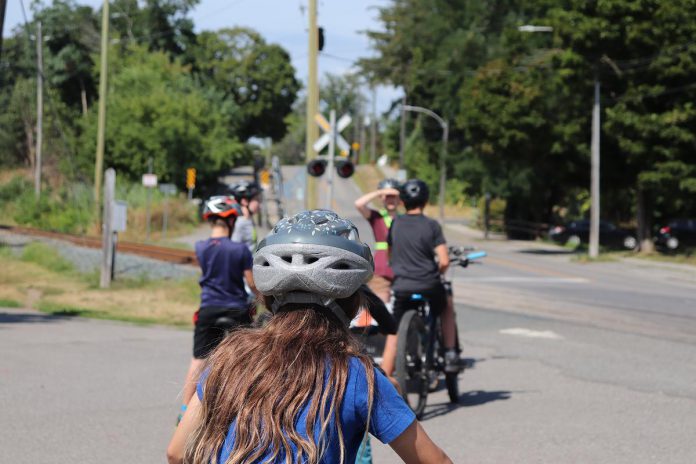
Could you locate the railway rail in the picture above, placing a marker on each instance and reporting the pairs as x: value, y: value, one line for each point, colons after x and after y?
x: 170, y: 255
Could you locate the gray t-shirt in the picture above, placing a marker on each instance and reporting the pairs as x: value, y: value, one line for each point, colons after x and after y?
x: 412, y: 240
x: 245, y: 232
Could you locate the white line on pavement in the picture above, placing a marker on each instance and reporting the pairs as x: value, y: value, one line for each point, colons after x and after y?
x: 532, y: 333
x: 540, y: 280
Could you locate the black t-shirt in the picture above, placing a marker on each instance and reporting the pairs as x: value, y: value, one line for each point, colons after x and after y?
x: 412, y: 240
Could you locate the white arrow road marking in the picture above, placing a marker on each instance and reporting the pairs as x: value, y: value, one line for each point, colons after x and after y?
x: 532, y: 333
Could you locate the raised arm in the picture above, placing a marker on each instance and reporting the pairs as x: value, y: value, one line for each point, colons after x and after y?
x: 362, y: 203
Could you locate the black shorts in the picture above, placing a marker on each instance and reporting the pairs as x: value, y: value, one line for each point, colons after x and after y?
x: 212, y: 324
x: 436, y: 296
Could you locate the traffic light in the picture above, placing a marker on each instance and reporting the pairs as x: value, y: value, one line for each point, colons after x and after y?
x: 320, y: 31
x: 316, y: 167
x: 344, y: 168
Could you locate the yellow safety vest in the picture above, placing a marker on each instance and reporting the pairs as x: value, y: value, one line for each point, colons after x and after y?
x: 388, y: 222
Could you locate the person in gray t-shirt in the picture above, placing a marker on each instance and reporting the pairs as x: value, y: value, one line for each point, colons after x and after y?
x: 248, y: 194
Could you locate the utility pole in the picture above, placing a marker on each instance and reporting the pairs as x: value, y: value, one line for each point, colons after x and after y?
x: 39, y: 110
x: 107, y: 230
x: 312, y: 95
x: 3, y: 6
x: 402, y: 133
x: 594, y: 187
x: 373, y: 127
x: 101, y: 119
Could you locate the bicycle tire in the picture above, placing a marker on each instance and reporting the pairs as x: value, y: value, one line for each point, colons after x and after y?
x: 411, y: 368
x: 452, y: 383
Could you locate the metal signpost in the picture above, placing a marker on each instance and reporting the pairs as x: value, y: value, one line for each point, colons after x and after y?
x: 167, y: 190
x: 332, y: 137
x: 149, y: 182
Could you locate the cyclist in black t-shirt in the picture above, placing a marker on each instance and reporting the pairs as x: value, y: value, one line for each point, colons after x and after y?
x: 415, y: 241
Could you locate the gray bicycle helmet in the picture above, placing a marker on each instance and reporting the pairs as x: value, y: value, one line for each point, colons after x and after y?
x: 245, y: 189
x: 313, y: 257
x: 388, y: 183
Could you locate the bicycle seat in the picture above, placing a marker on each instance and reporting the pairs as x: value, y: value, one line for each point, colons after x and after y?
x: 225, y: 322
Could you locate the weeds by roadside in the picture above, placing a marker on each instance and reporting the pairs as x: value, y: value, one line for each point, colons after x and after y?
x: 40, y: 278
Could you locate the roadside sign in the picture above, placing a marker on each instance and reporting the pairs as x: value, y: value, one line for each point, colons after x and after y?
x: 119, y: 216
x: 323, y: 141
x: 150, y: 180
x: 190, y: 178
x: 167, y: 189
x: 265, y: 178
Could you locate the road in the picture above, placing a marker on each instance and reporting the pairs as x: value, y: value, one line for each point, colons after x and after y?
x: 569, y: 362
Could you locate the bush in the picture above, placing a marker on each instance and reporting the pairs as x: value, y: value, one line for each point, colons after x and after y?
x: 496, y: 214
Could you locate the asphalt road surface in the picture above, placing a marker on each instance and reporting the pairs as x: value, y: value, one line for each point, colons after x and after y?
x: 569, y: 362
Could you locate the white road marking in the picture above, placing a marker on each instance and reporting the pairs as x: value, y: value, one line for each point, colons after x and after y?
x: 532, y: 333
x: 540, y: 280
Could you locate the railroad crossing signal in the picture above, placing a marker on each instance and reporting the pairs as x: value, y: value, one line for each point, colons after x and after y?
x: 323, y: 141
x: 344, y: 167
x: 191, y: 178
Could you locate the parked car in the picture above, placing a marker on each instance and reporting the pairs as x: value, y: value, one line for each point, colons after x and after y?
x: 677, y: 234
x: 576, y: 232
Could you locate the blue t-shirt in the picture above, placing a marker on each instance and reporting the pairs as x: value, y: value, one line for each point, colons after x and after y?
x: 390, y: 417
x: 223, y: 263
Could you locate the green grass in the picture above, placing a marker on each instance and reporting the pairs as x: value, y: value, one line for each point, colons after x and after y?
x: 57, y: 309
x: 7, y: 303
x: 602, y: 258
x: 46, y: 257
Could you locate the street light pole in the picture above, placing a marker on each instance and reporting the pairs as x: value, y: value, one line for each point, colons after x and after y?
x: 594, y: 182
x: 443, y: 154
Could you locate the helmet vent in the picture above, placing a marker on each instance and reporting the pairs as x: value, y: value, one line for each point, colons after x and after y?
x: 341, y: 266
x: 287, y: 258
x: 265, y: 263
x: 312, y: 259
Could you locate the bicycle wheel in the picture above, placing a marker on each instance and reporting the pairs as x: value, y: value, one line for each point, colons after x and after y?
x: 411, y: 366
x: 452, y: 382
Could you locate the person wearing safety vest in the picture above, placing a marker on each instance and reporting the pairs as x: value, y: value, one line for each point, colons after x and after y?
x: 380, y: 221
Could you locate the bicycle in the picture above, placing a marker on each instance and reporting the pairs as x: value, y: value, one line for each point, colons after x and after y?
x: 420, y: 352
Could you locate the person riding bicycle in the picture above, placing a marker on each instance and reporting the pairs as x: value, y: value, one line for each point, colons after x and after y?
x: 299, y: 389
x: 415, y: 241
x: 380, y: 221
x: 224, y: 264
x: 248, y: 196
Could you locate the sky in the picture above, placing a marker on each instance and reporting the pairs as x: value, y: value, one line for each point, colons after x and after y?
x: 284, y: 22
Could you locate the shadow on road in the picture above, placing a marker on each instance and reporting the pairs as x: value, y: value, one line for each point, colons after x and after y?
x: 28, y: 318
x: 468, y: 399
x: 547, y: 251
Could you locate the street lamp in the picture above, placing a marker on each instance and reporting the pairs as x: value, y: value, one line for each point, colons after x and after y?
x: 594, y: 153
x: 443, y: 154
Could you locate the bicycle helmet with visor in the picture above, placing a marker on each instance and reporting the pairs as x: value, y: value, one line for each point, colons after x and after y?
x: 313, y: 257
x: 388, y: 183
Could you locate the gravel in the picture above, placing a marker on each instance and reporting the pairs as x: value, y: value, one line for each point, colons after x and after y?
x: 88, y: 260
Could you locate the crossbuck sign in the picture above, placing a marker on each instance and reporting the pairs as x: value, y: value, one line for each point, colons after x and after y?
x: 325, y: 139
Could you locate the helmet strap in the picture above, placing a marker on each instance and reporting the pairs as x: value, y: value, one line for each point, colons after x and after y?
x: 310, y: 298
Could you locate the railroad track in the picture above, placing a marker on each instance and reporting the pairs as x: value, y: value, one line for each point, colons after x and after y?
x: 170, y: 255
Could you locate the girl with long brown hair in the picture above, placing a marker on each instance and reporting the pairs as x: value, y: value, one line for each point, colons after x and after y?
x: 299, y: 389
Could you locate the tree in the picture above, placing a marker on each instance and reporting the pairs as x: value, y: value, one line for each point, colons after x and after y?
x: 259, y: 78
x: 158, y: 111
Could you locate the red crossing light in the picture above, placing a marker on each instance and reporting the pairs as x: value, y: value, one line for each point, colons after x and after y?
x: 316, y: 168
x: 344, y: 168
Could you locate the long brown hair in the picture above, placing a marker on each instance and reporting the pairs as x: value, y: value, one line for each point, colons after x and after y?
x: 261, y: 378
